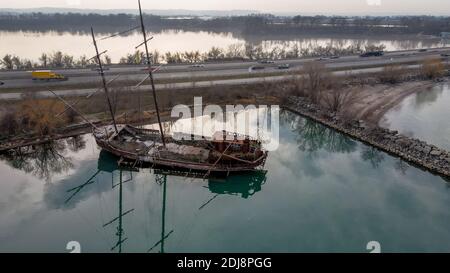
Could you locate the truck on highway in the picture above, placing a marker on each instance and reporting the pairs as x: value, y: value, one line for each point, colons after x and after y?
x: 284, y: 66
x: 47, y: 75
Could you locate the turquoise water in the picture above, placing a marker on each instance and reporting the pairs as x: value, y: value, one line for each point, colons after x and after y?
x: 424, y: 115
x: 322, y: 192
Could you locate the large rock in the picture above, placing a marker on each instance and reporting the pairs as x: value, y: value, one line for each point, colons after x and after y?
x: 418, y: 148
x: 435, y: 152
x: 404, y: 142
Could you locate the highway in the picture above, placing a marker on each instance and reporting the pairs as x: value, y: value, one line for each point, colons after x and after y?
x: 82, y: 81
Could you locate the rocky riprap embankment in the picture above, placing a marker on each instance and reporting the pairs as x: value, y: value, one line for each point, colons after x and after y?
x: 412, y: 150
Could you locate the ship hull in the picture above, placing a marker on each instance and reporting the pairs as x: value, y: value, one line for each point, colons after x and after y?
x: 135, y: 159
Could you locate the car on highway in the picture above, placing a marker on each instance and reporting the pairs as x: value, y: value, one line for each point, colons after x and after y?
x: 423, y: 50
x: 266, y: 61
x: 256, y: 67
x: 445, y: 55
x: 284, y: 66
x: 197, y: 65
x: 372, y: 54
x: 334, y: 57
x: 2, y: 83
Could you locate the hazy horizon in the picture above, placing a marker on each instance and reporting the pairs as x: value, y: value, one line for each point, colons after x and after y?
x: 350, y: 7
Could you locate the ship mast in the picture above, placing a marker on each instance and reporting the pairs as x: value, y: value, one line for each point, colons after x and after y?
x: 102, y: 74
x: 150, y: 73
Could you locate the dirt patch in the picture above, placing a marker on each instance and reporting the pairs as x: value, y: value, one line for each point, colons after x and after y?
x: 373, y: 101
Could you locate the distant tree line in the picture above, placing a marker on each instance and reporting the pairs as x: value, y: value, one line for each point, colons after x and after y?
x: 48, y: 60
x: 238, y: 51
x: 247, y: 25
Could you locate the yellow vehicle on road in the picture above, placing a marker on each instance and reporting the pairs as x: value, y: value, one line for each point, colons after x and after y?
x: 47, y: 75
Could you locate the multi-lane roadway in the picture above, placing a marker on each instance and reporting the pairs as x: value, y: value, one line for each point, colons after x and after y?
x: 81, y: 81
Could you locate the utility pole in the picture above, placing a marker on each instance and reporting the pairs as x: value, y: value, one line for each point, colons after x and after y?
x: 102, y: 74
x: 150, y: 74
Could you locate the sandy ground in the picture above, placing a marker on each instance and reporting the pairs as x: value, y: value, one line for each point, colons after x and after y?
x: 373, y: 101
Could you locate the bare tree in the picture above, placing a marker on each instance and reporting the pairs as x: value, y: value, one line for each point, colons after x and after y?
x: 156, y: 57
x: 7, y: 62
x: 82, y: 61
x: 108, y: 60
x: 317, y: 78
x: 340, y: 99
x: 17, y: 63
x: 44, y: 60
x: 215, y: 53
x: 235, y: 51
x: 67, y: 61
x: 57, y: 59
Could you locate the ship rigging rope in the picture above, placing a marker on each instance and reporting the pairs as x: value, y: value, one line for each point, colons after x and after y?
x: 119, y: 33
x: 215, y: 163
x: 88, y: 221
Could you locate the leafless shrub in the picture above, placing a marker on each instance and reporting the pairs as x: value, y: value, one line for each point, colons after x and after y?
x: 392, y: 73
x: 432, y: 68
x: 9, y: 124
x: 297, y: 86
x: 338, y: 100
x: 41, y: 115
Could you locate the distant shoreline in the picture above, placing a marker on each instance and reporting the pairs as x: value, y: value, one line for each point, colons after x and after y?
x: 212, y: 12
x: 237, y: 22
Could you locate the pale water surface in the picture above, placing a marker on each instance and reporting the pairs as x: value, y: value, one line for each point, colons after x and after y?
x: 31, y: 45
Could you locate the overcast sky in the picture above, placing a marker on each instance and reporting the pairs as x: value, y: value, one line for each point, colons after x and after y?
x: 298, y: 6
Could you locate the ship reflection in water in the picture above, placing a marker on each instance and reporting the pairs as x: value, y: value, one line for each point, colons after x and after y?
x: 244, y: 186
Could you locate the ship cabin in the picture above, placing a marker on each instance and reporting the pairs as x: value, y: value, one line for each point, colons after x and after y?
x: 238, y: 143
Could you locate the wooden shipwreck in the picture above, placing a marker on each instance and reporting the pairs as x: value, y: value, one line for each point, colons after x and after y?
x: 222, y: 153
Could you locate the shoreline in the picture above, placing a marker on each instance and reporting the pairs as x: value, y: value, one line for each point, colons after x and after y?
x: 372, y: 103
x: 417, y: 152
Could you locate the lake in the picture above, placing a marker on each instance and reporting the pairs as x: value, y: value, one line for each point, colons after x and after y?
x: 30, y: 45
x: 321, y: 192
